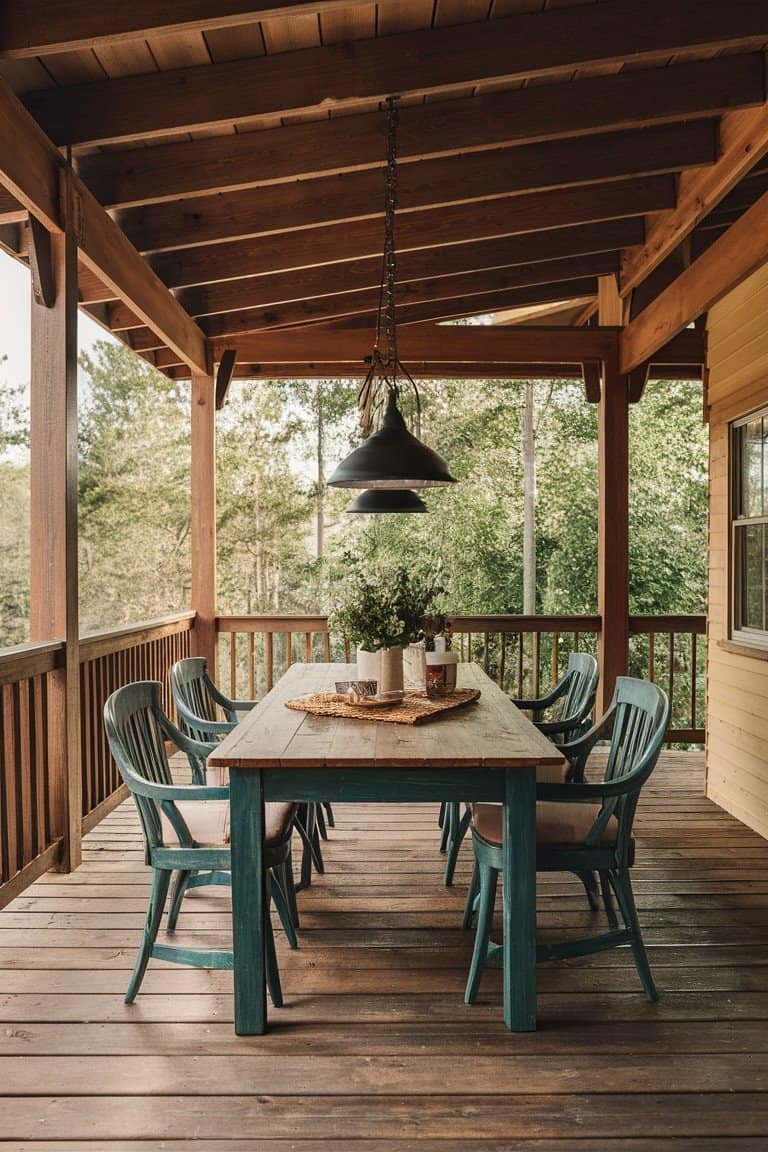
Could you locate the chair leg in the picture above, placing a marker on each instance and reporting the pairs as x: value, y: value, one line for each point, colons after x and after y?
x: 474, y: 888
x: 178, y: 888
x: 610, y: 907
x: 270, y: 958
x: 329, y: 814
x: 305, y: 825
x: 589, y: 880
x: 316, y: 848
x: 441, y: 815
x: 622, y: 886
x: 488, y: 879
x: 321, y: 822
x: 289, y: 887
x: 460, y: 828
x: 160, y: 881
x: 283, y: 910
x: 445, y: 824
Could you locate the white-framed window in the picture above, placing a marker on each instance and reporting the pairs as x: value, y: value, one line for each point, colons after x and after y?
x: 749, y: 529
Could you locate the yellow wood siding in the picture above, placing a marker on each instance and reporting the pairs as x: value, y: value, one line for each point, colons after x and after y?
x: 737, y: 696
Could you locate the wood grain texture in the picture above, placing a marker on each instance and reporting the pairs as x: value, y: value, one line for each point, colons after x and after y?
x: 374, y: 1035
x: 491, y: 733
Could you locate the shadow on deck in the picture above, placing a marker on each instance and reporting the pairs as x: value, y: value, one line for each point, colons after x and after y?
x: 375, y: 1049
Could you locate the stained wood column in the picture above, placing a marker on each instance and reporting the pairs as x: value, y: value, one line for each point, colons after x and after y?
x: 204, y: 516
x: 53, y: 538
x: 613, y: 530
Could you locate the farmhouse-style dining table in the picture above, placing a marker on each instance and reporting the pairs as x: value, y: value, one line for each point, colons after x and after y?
x: 486, y: 751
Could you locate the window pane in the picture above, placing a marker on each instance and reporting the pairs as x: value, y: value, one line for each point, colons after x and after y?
x: 752, y: 468
x: 752, y: 576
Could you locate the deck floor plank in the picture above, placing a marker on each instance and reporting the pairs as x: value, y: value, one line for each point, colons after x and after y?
x: 375, y: 1050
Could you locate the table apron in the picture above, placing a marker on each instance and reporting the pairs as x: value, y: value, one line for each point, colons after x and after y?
x: 384, y: 785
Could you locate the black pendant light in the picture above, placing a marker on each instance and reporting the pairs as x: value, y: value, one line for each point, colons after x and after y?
x: 391, y: 458
x: 375, y: 501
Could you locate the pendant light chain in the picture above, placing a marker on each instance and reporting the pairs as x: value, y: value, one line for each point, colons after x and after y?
x: 389, y: 271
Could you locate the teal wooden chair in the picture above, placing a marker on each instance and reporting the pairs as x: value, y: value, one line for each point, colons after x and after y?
x: 573, y: 698
x: 581, y: 827
x: 199, y: 704
x: 186, y: 829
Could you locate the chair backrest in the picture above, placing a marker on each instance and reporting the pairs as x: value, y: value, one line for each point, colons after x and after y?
x: 583, y: 675
x: 189, y: 683
x: 137, y: 729
x: 640, y: 718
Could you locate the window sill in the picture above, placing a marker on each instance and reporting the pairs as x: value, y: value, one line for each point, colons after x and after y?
x: 740, y: 649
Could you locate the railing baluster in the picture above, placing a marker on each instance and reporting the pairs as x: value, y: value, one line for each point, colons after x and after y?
x: 486, y: 653
x: 233, y: 665
x: 536, y: 662
x: 327, y: 647
x: 308, y: 647
x: 671, y: 672
x: 520, y: 690
x: 502, y: 657
x: 652, y: 657
x: 251, y: 666
x: 288, y: 649
x: 555, y: 657
x: 268, y: 659
x: 694, y: 681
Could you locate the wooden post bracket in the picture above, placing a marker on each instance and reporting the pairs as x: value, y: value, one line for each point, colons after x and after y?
x: 41, y: 264
x: 224, y: 374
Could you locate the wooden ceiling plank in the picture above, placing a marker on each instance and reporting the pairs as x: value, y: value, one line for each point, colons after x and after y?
x: 515, y: 47
x: 442, y: 182
x: 429, y: 228
x: 744, y: 141
x: 31, y: 168
x: 559, y: 252
x: 723, y: 266
x: 224, y: 163
x: 415, y: 292
x: 38, y: 28
x: 470, y: 345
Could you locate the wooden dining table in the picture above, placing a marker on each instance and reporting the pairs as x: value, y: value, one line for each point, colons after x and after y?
x: 486, y: 751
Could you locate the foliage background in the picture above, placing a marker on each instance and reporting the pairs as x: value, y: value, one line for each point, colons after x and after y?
x: 276, y: 442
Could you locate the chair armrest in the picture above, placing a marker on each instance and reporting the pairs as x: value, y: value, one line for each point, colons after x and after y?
x: 549, y: 727
x: 198, y: 748
x: 215, y: 727
x: 231, y: 707
x: 160, y: 792
x: 545, y: 701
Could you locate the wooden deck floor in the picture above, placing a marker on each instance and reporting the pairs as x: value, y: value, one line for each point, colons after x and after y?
x: 375, y: 1050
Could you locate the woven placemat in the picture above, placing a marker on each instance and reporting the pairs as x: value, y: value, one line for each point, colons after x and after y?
x: 416, y: 708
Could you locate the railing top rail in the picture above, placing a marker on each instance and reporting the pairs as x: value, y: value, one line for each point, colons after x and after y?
x: 690, y: 624
x: 25, y: 660
x: 108, y: 640
x: 273, y: 623
x: 509, y: 623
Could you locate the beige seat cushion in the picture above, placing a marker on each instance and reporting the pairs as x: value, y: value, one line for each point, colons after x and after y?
x: 208, y: 822
x: 556, y: 823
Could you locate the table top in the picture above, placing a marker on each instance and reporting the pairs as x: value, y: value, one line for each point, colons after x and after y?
x: 492, y: 733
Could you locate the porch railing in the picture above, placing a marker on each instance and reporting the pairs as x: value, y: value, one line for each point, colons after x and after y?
x: 32, y: 766
x: 525, y: 655
x: 108, y: 660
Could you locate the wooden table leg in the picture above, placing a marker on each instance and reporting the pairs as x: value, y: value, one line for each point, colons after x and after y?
x: 519, y: 854
x: 246, y: 800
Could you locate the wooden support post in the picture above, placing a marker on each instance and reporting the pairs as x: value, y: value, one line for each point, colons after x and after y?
x: 613, y: 530
x: 204, y: 516
x: 53, y: 538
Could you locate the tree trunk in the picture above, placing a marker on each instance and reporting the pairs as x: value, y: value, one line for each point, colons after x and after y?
x: 320, y: 495
x: 529, y: 503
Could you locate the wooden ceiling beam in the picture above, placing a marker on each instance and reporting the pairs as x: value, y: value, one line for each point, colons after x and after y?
x: 515, y: 47
x: 40, y: 28
x: 451, y: 180
x: 31, y: 168
x: 438, y: 345
x: 526, y: 285
x: 428, y: 228
x: 561, y: 250
x: 744, y: 142
x: 136, y: 176
x: 476, y: 304
x: 728, y: 261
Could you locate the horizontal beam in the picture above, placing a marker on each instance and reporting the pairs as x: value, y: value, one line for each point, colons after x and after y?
x: 724, y: 265
x: 447, y: 181
x: 366, y: 300
x: 556, y: 248
x: 137, y: 176
x: 515, y: 47
x: 32, y: 169
x: 473, y: 304
x: 40, y: 28
x: 438, y: 345
x: 427, y: 228
x: 744, y: 142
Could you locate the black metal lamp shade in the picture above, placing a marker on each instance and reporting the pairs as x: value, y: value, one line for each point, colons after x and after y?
x: 374, y: 501
x: 392, y: 458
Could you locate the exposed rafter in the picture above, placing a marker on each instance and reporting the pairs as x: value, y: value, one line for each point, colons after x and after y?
x: 515, y: 47
x: 428, y: 228
x: 31, y: 168
x: 457, y: 179
x: 523, y: 116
